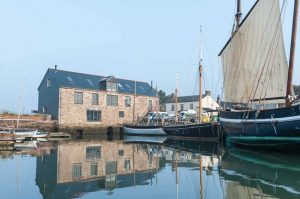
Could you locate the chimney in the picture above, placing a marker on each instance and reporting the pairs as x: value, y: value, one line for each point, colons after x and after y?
x: 55, y: 67
x: 207, y: 93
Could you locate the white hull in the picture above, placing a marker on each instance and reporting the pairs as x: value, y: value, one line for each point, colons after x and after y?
x: 143, y: 131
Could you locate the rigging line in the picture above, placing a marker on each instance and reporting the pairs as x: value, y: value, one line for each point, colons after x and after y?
x: 268, y: 54
x: 225, y: 68
x: 262, y: 62
x: 211, y: 62
x: 256, y: 57
x: 283, y: 11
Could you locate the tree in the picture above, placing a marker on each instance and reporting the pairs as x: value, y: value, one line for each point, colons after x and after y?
x: 163, y: 98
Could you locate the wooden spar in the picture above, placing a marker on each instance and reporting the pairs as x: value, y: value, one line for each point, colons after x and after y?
x: 20, y: 104
x: 292, y: 52
x: 176, y: 97
x: 238, y: 14
x: 133, y: 108
x: 200, y: 77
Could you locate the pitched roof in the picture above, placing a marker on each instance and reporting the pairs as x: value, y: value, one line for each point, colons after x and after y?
x: 183, y: 99
x: 91, y: 82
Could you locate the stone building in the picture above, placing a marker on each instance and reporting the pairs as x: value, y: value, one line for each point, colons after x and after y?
x: 77, y: 99
x: 185, y: 103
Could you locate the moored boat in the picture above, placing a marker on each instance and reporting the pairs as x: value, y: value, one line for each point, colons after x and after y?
x: 207, y: 131
x: 257, y: 76
x: 143, y: 130
x: 201, y: 130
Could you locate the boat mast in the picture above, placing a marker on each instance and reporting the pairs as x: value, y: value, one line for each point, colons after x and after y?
x: 133, y: 109
x: 238, y: 14
x: 20, y: 105
x: 200, y: 77
x: 176, y: 97
x: 292, y: 53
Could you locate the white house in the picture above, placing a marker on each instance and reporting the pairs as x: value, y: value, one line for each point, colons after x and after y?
x: 185, y: 103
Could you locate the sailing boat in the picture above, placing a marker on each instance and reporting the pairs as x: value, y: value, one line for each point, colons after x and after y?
x: 136, y: 129
x: 203, y: 131
x: 257, y: 76
x: 21, y: 133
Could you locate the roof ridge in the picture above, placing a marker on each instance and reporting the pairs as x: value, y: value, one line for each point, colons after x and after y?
x: 96, y: 75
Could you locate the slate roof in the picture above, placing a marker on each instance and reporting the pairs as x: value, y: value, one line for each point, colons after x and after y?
x: 183, y: 99
x: 91, y: 82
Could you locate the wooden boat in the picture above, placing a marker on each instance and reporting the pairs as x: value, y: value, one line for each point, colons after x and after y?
x: 143, y: 130
x: 258, y: 77
x: 198, y: 130
x: 203, y: 131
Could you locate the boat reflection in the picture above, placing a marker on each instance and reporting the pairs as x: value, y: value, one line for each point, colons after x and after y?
x: 252, y: 174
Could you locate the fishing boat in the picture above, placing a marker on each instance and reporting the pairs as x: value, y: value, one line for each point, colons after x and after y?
x: 200, y: 130
x: 143, y: 130
x: 257, y: 77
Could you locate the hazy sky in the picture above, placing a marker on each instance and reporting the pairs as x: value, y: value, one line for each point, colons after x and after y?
x: 132, y: 39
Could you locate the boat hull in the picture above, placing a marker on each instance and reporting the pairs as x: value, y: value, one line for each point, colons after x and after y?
x: 144, y: 130
x: 273, y: 128
x: 202, y: 131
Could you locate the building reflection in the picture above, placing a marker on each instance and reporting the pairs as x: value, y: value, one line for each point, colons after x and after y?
x: 78, y: 167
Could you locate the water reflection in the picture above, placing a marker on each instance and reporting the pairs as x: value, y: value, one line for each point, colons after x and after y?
x: 128, y: 168
x: 254, y: 174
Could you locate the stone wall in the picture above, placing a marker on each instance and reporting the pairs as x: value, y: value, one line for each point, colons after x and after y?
x: 71, y: 114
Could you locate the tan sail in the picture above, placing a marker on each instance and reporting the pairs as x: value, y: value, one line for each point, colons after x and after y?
x: 254, y: 62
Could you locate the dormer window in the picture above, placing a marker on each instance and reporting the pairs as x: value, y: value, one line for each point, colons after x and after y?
x: 48, y: 83
x: 111, y: 86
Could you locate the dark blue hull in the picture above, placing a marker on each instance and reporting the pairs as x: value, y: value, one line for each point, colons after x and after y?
x: 194, y: 131
x: 267, y: 128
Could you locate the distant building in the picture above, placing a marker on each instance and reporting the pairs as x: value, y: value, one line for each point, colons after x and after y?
x: 77, y: 99
x: 185, y: 103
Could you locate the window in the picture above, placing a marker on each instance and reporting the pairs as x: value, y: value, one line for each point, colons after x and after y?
x: 112, y: 100
x: 127, y: 165
x: 191, y: 106
x: 172, y: 107
x: 121, y: 114
x: 110, y: 86
x: 150, y: 104
x: 127, y: 101
x: 48, y: 83
x: 94, y: 169
x: 93, y: 116
x: 78, y: 97
x: 45, y: 109
x: 182, y: 107
x: 111, y: 167
x: 121, y: 152
x: 93, y: 152
x: 76, y: 170
x: 95, y: 98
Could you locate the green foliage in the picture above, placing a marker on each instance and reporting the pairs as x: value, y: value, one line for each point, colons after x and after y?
x: 6, y: 112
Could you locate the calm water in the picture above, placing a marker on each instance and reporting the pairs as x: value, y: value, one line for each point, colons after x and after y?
x: 118, y: 169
